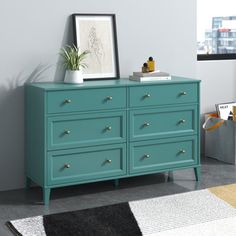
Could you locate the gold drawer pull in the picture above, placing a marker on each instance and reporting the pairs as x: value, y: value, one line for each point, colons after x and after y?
x: 146, y: 124
x: 108, y: 128
x: 146, y: 156
x: 67, y: 131
x: 183, y: 93
x: 108, y: 161
x: 182, y: 151
x: 67, y: 166
x: 67, y: 101
x: 147, y: 95
x: 182, y: 121
x: 109, y: 98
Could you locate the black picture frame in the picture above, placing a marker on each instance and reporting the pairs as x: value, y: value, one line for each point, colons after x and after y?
x: 92, y: 29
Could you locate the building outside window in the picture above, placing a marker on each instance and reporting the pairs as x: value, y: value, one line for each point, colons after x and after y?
x: 216, y: 29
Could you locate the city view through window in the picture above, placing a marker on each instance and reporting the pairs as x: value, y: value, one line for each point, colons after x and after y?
x: 216, y: 27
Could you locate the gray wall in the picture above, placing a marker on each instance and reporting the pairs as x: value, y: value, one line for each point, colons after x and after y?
x: 32, y: 33
x: 218, y: 83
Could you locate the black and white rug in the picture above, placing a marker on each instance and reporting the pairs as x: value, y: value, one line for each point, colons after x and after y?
x: 193, y: 213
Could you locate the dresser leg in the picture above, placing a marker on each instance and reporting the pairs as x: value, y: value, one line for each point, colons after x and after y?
x: 27, y: 183
x: 46, y: 195
x: 170, y: 176
x: 116, y: 182
x: 197, y: 171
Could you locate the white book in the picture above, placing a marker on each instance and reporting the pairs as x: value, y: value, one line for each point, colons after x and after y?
x: 148, y: 74
x: 150, y: 78
x: 225, y: 110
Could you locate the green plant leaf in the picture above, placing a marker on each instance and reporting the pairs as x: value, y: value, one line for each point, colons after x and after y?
x: 72, y: 58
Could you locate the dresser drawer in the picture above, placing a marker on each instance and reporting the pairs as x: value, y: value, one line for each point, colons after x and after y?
x: 86, y: 100
x: 86, y: 164
x: 163, y: 122
x: 167, y: 94
x: 163, y: 154
x: 90, y: 129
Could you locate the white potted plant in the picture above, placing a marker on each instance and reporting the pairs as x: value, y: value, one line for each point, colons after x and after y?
x: 73, y: 62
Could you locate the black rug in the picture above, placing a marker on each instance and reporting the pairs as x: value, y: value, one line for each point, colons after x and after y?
x: 117, y: 220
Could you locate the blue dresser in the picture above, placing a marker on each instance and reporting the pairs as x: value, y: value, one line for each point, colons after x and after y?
x: 107, y: 130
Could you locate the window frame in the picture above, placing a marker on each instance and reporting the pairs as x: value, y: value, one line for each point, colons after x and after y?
x: 205, y: 57
x: 218, y: 56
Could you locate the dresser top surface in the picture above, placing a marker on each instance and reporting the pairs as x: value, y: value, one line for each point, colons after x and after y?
x: 108, y: 83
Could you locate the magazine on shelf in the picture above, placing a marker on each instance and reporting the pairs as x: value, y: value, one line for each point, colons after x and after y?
x: 225, y: 110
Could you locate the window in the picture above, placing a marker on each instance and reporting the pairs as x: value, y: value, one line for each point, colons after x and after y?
x: 216, y: 29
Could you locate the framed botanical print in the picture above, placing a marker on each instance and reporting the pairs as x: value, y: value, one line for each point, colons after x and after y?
x: 97, y: 33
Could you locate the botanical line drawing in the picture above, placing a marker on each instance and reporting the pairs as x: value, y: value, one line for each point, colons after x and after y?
x: 95, y: 46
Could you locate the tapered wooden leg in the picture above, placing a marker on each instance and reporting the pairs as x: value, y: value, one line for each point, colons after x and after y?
x: 27, y: 183
x: 116, y: 182
x: 197, y: 171
x: 46, y: 195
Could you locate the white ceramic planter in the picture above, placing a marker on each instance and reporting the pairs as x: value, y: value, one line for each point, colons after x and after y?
x: 73, y: 77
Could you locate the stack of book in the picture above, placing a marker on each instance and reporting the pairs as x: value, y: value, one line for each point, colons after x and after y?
x: 150, y: 76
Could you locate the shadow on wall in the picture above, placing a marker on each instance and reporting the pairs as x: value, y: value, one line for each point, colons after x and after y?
x: 12, y: 127
x: 67, y: 40
x: 12, y: 115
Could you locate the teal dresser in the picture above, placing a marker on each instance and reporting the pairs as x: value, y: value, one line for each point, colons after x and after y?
x: 107, y: 130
